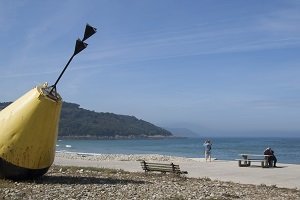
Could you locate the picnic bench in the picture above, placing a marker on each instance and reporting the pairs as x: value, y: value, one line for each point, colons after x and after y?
x: 161, y: 167
x: 247, y: 159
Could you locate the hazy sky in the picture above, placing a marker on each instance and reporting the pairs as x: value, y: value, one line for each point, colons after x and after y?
x: 215, y: 67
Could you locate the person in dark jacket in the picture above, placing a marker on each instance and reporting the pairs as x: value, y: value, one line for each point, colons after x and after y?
x: 271, y: 157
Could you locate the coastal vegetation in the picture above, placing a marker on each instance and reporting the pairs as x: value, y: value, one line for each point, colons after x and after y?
x: 76, y: 122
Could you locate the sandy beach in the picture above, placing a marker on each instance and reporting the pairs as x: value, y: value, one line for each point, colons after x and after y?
x: 285, y: 175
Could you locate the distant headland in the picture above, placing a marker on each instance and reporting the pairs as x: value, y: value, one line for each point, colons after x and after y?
x: 80, y: 123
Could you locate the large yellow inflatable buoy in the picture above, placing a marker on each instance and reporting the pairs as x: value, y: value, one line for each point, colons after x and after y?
x: 28, y: 134
x: 29, y: 127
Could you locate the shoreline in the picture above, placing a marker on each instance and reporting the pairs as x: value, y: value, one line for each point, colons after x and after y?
x: 286, y: 150
x: 118, y: 137
x: 285, y: 176
x: 121, y: 157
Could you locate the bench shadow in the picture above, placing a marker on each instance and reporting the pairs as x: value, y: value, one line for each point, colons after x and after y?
x: 257, y: 166
x: 82, y: 180
x: 280, y: 167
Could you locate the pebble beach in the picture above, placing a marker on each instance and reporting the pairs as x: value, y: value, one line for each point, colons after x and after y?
x: 90, y: 183
x: 84, y: 179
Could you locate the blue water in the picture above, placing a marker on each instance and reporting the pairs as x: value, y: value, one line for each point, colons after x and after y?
x: 287, y: 150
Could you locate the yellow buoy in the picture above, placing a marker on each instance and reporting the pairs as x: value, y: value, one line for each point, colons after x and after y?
x: 29, y: 127
x: 28, y: 134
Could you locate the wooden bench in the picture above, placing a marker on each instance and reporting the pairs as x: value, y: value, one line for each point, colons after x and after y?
x: 247, y: 163
x: 163, y: 168
x: 246, y: 160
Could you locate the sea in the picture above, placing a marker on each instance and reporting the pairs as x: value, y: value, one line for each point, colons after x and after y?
x: 287, y: 150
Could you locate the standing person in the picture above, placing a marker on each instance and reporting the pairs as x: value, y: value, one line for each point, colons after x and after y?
x: 207, y: 147
x: 271, y: 157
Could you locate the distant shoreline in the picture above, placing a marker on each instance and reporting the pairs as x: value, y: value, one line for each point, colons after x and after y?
x: 164, y: 137
x: 118, y: 137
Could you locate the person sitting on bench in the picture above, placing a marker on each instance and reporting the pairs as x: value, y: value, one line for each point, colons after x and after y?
x: 271, y: 157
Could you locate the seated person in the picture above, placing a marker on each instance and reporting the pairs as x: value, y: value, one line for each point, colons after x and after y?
x: 271, y: 157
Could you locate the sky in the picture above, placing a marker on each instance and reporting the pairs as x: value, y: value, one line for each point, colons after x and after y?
x: 217, y: 68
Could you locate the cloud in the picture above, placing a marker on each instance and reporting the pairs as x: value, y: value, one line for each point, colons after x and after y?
x: 273, y: 104
x: 218, y: 37
x: 16, y: 75
x: 286, y: 20
x: 230, y: 35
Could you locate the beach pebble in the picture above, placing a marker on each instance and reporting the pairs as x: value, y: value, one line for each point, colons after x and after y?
x: 89, y: 183
x: 121, y: 157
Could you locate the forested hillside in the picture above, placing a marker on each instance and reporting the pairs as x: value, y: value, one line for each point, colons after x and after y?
x: 77, y: 122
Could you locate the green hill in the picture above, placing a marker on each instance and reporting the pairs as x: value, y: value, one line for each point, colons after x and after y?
x: 76, y: 122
